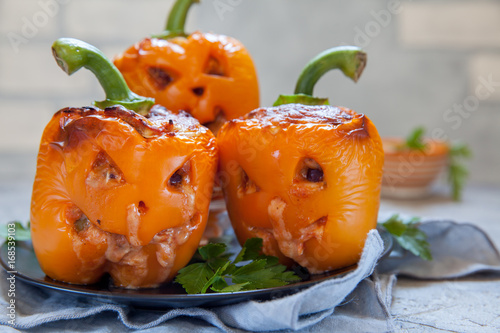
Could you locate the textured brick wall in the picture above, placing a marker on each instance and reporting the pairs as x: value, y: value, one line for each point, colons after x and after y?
x: 431, y: 63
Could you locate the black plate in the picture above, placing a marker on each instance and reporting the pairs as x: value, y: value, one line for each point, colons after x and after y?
x: 166, y: 296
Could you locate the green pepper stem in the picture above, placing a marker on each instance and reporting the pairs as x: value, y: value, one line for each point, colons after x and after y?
x: 72, y: 54
x: 350, y: 60
x: 177, y: 19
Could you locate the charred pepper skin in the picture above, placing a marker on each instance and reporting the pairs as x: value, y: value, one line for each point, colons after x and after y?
x: 208, y: 75
x: 305, y: 178
x: 121, y: 193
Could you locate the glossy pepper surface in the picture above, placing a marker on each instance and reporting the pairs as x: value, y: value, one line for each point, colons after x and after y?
x: 304, y: 178
x: 116, y: 191
x: 208, y: 75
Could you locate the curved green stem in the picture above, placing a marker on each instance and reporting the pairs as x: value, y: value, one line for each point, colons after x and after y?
x: 350, y: 60
x: 72, y: 54
x: 177, y: 19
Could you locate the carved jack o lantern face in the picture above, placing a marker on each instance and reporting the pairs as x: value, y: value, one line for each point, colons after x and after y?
x: 121, y: 193
x: 210, y: 76
x: 305, y: 179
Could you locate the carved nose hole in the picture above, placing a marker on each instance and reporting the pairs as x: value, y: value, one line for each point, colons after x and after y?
x: 247, y: 185
x: 180, y: 178
x: 311, y: 171
x: 142, y: 208
x: 309, y: 178
x: 198, y: 91
x: 314, y: 175
x: 160, y: 77
x: 104, y: 173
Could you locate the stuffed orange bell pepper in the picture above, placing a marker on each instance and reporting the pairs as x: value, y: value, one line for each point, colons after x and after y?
x: 208, y: 75
x: 119, y: 191
x: 305, y: 177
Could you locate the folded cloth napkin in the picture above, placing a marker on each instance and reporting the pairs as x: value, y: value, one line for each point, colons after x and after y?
x: 359, y: 301
x: 457, y: 249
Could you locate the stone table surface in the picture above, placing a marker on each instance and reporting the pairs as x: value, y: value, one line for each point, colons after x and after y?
x: 469, y: 304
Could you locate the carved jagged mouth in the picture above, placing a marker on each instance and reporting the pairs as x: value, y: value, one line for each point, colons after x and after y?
x: 128, y: 264
x: 294, y: 247
x: 279, y: 238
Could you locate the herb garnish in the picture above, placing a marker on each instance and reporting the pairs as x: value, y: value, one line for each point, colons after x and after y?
x: 415, y: 141
x: 457, y: 172
x: 216, y: 268
x: 408, y: 235
x: 21, y: 232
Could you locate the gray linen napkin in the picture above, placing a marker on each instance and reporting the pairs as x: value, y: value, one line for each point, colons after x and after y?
x: 359, y: 301
x: 458, y: 250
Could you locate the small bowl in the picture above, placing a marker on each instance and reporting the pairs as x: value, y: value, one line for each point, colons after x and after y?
x: 410, y: 173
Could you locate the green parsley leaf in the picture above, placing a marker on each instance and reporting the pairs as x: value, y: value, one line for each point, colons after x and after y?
x: 457, y: 172
x: 220, y: 284
x: 214, y: 255
x: 415, y: 141
x: 258, y: 275
x: 211, y: 251
x: 194, y: 277
x: 249, y: 251
x: 21, y: 232
x: 216, y: 269
x: 216, y: 277
x: 408, y: 235
x: 232, y: 288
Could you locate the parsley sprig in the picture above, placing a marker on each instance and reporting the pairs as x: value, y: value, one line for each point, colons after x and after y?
x: 457, y: 172
x: 408, y: 235
x: 22, y: 233
x: 249, y: 270
x: 415, y: 140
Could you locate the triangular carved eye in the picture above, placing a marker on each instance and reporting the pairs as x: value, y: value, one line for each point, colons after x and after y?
x: 247, y: 185
x: 310, y: 170
x: 104, y: 173
x: 214, y: 67
x: 181, y: 177
x: 161, y: 77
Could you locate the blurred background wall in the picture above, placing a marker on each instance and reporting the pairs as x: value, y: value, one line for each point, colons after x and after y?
x: 432, y: 63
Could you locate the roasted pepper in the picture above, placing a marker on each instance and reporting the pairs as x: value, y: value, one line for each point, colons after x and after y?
x: 117, y: 191
x: 208, y: 75
x: 305, y: 177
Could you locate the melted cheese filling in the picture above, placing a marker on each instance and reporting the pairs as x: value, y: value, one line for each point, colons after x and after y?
x: 289, y: 245
x: 127, y: 262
